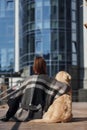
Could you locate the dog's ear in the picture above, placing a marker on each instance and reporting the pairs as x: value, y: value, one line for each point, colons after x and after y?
x: 68, y: 77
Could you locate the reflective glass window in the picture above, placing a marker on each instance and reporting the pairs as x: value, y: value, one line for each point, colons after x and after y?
x: 54, y: 24
x: 74, y: 25
x: 10, y: 5
x: 46, y: 12
x: 38, y: 47
x: 62, y: 41
x: 54, y: 40
x: 73, y: 15
x: 10, y: 30
x: 61, y: 9
x: 39, y: 14
x: 73, y: 5
x: 39, y: 3
x: 73, y: 36
x: 46, y: 42
x: 46, y: 24
x: 6, y: 35
x: 31, y: 43
x: 31, y: 12
x: 2, y: 8
x: 38, y: 41
x: 74, y: 53
x: 54, y: 9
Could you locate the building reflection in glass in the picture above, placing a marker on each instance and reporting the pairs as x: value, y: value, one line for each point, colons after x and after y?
x: 49, y: 30
x: 6, y: 36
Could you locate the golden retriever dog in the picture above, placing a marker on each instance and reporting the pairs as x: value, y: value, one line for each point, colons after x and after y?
x: 61, y: 108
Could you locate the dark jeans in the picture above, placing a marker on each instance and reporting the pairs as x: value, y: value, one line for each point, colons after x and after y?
x: 13, y: 104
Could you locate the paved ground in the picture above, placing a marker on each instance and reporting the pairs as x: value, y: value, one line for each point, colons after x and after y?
x: 79, y: 121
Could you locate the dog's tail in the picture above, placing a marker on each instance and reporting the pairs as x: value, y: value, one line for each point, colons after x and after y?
x: 42, y: 120
x: 37, y: 120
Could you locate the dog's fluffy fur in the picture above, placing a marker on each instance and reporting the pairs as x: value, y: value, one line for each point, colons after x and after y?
x: 61, y: 108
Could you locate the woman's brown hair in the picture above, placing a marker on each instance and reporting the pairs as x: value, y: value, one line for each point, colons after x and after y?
x: 39, y: 66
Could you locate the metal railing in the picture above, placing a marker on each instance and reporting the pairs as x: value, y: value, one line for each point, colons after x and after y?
x: 12, y: 92
x: 8, y: 89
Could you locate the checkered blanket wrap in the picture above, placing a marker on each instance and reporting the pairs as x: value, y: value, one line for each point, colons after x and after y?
x: 40, y: 89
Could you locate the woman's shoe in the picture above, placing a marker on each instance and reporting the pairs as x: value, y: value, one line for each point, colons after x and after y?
x: 4, y: 119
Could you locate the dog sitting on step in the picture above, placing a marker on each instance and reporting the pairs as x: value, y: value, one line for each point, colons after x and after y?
x: 61, y: 108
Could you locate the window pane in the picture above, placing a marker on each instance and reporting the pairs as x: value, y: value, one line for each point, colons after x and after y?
x: 2, y: 8
x: 10, y: 5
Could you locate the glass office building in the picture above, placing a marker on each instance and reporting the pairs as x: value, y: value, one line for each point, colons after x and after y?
x: 6, y: 36
x: 49, y: 29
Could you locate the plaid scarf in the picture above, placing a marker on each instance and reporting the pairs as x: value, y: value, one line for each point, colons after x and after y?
x: 41, y: 90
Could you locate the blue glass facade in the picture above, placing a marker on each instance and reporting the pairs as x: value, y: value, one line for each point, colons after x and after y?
x: 49, y: 30
x: 6, y: 36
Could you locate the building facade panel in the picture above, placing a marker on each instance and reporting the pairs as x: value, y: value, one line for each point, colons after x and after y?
x: 49, y: 30
x: 6, y: 36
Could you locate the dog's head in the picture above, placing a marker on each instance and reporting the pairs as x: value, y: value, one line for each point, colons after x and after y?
x: 64, y: 77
